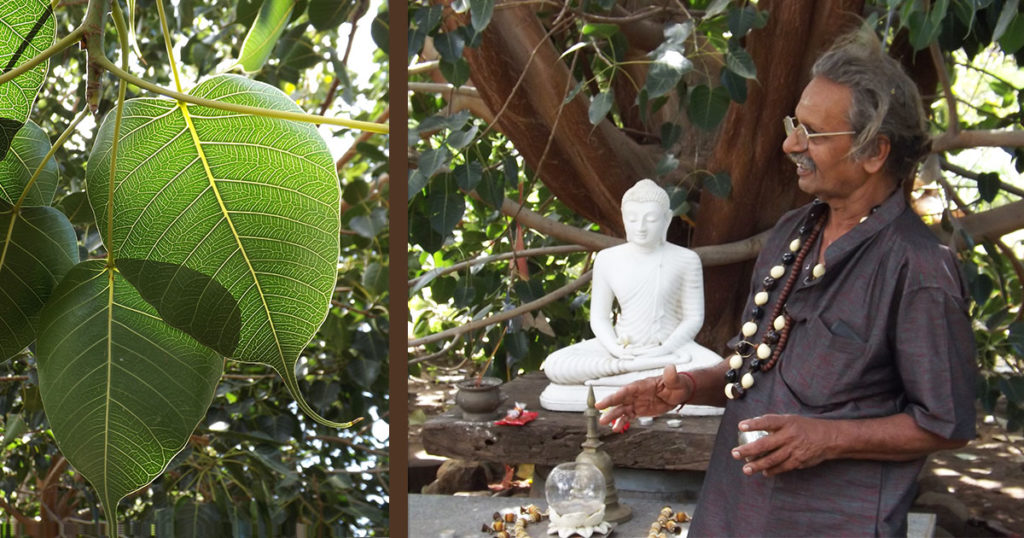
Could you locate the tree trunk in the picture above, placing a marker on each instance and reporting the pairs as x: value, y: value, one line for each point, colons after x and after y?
x: 749, y: 147
x: 587, y: 167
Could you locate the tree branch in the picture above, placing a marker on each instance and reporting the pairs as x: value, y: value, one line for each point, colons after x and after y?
x: 506, y: 315
x: 1003, y: 186
x: 1000, y: 244
x: 558, y: 230
x: 947, y: 88
x: 977, y: 138
x: 541, y: 251
x: 74, y: 37
x: 363, y: 137
x: 380, y: 128
x: 27, y: 522
x: 645, y: 13
x: 443, y: 352
x: 990, y: 225
x: 710, y: 256
x: 446, y: 89
x: 347, y: 442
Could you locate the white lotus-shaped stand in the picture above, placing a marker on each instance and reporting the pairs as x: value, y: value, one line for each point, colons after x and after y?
x: 583, y: 519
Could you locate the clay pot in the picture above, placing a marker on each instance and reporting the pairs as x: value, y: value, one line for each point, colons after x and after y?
x: 479, y: 401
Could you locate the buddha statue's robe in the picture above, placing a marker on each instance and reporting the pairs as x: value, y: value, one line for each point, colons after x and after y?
x: 660, y: 294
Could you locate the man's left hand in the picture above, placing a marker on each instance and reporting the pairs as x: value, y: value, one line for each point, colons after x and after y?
x: 794, y: 442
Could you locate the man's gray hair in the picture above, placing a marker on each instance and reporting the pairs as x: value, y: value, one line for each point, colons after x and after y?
x: 884, y: 101
x: 646, y: 190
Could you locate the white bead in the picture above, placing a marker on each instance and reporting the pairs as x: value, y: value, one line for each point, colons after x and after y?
x: 779, y: 323
x: 749, y: 328
x: 764, y: 351
x: 760, y: 298
x: 864, y: 218
x: 728, y: 392
x: 747, y: 381
x: 735, y: 362
x: 778, y: 271
x: 794, y: 245
x: 818, y: 271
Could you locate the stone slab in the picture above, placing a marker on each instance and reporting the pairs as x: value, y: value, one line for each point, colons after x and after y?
x: 433, y: 516
x: 555, y: 437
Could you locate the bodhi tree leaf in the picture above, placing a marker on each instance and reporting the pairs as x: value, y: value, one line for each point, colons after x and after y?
x: 187, y: 300
x: 252, y: 202
x: 37, y: 247
x: 122, y: 390
x: 600, y: 107
x: 327, y: 14
x: 76, y: 207
x: 26, y: 29
x: 480, y: 13
x: 263, y: 34
x: 28, y: 148
x: 707, y: 107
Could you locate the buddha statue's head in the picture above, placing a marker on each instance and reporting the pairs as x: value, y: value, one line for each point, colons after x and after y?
x: 646, y: 214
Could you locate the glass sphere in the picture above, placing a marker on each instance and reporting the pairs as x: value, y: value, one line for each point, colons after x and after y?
x: 575, y: 491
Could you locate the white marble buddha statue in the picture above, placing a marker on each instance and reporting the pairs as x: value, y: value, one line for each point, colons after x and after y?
x: 659, y: 289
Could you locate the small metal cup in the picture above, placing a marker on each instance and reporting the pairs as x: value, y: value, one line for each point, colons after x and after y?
x: 750, y: 436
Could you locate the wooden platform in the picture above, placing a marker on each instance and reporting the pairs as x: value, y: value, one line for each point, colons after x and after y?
x: 555, y: 437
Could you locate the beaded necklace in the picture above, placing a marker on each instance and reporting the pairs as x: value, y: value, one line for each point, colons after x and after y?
x: 773, y: 342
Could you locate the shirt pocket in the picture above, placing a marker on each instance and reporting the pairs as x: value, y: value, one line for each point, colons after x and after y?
x: 822, y: 368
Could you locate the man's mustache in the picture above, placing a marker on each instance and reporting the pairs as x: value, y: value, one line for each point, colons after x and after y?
x: 802, y: 160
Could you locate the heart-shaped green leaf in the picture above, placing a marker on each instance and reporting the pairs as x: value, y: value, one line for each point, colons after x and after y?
x: 600, y: 107
x: 26, y: 29
x: 327, y: 14
x: 122, y: 390
x: 187, y: 300
x: 480, y: 13
x: 37, y: 247
x: 28, y: 148
x: 707, y: 106
x: 263, y: 34
x: 667, y: 68
x: 257, y: 210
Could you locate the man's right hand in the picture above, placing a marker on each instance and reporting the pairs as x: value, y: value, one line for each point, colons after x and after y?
x: 647, y: 397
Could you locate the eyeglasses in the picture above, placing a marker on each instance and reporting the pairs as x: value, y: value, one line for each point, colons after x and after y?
x: 802, y: 136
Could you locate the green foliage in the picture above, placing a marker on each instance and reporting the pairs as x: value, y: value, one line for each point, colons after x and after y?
x: 121, y: 389
x: 224, y: 235
x: 234, y: 210
x: 264, y: 33
x: 28, y: 29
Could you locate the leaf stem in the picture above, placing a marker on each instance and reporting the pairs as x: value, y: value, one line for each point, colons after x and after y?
x: 380, y: 128
x: 122, y: 37
x: 167, y: 43
x: 583, y: 280
x: 64, y: 43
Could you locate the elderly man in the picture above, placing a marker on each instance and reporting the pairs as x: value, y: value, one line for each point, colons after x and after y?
x: 856, y: 354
